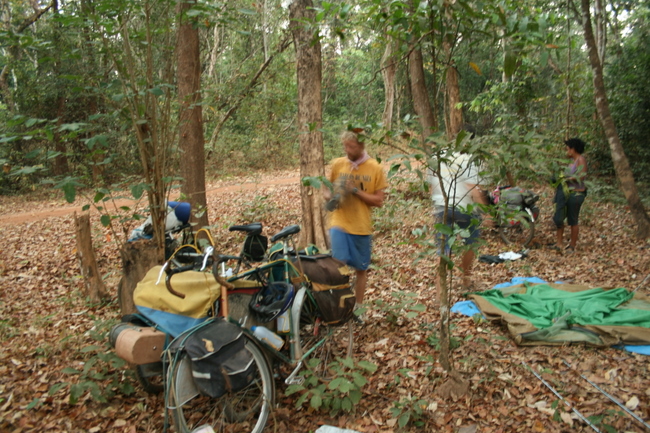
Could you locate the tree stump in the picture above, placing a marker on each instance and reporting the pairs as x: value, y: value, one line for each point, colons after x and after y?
x: 93, y: 283
x: 137, y: 259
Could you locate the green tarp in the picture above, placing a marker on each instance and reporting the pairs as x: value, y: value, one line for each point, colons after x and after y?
x: 561, y: 313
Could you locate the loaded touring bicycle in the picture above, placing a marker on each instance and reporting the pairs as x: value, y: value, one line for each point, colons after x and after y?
x: 215, y: 341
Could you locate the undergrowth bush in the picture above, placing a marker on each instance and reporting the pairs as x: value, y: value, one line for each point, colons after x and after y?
x: 101, y: 374
x: 340, y: 394
x: 409, y: 411
x: 404, y: 304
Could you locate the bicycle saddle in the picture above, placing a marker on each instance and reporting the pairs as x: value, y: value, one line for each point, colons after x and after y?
x: 287, y: 231
x: 252, y: 228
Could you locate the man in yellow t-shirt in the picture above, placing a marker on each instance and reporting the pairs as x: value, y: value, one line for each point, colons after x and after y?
x: 361, y: 182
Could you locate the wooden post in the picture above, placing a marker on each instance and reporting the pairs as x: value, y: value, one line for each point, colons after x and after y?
x: 94, y: 285
x: 137, y: 258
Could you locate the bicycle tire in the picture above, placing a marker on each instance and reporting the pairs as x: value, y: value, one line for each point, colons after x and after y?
x: 518, y: 234
x: 243, y: 411
x: 319, y: 344
x: 150, y: 377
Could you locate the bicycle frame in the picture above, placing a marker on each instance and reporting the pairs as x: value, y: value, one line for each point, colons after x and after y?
x: 292, y: 275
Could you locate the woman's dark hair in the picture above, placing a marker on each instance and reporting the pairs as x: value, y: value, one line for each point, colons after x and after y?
x: 576, y: 144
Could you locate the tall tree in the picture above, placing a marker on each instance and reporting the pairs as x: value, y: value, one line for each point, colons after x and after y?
x: 191, y: 145
x: 621, y: 163
x: 388, y: 72
x: 420, y: 94
x: 454, y: 115
x: 146, y: 72
x: 310, y: 118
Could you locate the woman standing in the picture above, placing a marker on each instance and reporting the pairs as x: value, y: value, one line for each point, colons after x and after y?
x: 571, y: 193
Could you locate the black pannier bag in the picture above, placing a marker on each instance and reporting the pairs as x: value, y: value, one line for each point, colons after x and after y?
x: 255, y: 247
x: 220, y: 361
x: 331, y: 288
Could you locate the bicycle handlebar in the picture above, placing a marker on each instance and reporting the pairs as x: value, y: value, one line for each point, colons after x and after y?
x: 170, y: 273
x: 215, y: 271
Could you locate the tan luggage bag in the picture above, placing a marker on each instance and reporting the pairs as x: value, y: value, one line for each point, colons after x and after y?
x: 140, y: 345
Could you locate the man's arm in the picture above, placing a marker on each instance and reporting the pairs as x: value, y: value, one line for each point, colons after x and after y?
x: 476, y: 192
x: 479, y: 196
x: 375, y: 199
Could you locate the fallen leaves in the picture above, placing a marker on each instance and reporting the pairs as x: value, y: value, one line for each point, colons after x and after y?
x: 45, y: 324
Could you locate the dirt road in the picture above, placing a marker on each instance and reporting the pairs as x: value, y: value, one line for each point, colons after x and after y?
x: 18, y: 214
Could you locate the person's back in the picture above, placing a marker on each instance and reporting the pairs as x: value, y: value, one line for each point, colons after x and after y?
x: 460, y: 183
x: 459, y: 177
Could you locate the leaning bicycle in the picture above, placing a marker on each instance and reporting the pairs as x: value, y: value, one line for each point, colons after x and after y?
x: 516, y: 213
x: 243, y: 390
x: 283, y: 292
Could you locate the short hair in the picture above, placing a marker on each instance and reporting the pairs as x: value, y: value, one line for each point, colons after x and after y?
x: 349, y: 136
x: 576, y: 144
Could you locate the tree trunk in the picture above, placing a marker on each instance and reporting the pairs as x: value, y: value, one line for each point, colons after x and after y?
x: 388, y: 71
x: 443, y: 307
x: 137, y: 258
x: 93, y: 283
x: 310, y: 120
x: 192, y: 161
x: 621, y: 163
x: 420, y: 95
x: 455, y: 115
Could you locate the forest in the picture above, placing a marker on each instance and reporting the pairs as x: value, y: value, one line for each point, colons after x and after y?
x: 111, y: 107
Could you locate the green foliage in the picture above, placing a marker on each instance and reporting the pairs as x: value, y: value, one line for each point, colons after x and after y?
x: 409, y: 411
x: 259, y: 209
x: 609, y: 414
x: 387, y: 218
x: 7, y: 329
x: 317, y: 182
x: 105, y: 201
x: 404, y: 304
x: 101, y: 375
x: 341, y: 393
x: 434, y: 341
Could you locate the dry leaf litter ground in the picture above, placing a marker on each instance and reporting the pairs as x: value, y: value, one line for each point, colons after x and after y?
x: 45, y: 324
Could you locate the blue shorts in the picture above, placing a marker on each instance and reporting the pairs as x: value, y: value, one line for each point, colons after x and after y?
x: 354, y: 250
x: 462, y: 220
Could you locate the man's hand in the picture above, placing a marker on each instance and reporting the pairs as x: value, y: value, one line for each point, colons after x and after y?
x: 327, y: 193
x: 350, y: 187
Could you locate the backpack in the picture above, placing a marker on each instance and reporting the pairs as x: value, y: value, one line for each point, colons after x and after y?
x: 331, y: 287
x: 220, y: 362
x: 517, y: 197
x: 255, y: 247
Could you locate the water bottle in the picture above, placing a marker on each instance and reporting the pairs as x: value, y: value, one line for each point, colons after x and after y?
x: 268, y: 336
x: 282, y: 323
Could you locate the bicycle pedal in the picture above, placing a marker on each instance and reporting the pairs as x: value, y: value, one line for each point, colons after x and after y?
x: 297, y: 380
x: 293, y: 378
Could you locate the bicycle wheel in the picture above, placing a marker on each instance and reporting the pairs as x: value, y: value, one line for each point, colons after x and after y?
x: 517, y: 231
x: 318, y: 344
x: 243, y: 411
x: 150, y: 377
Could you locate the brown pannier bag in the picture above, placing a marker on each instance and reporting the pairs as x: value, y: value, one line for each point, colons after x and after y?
x: 331, y: 287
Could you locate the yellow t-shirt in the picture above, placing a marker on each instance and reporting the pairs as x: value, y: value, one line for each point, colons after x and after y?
x: 353, y: 215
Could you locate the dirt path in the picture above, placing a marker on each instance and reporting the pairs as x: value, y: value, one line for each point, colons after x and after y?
x: 24, y: 217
